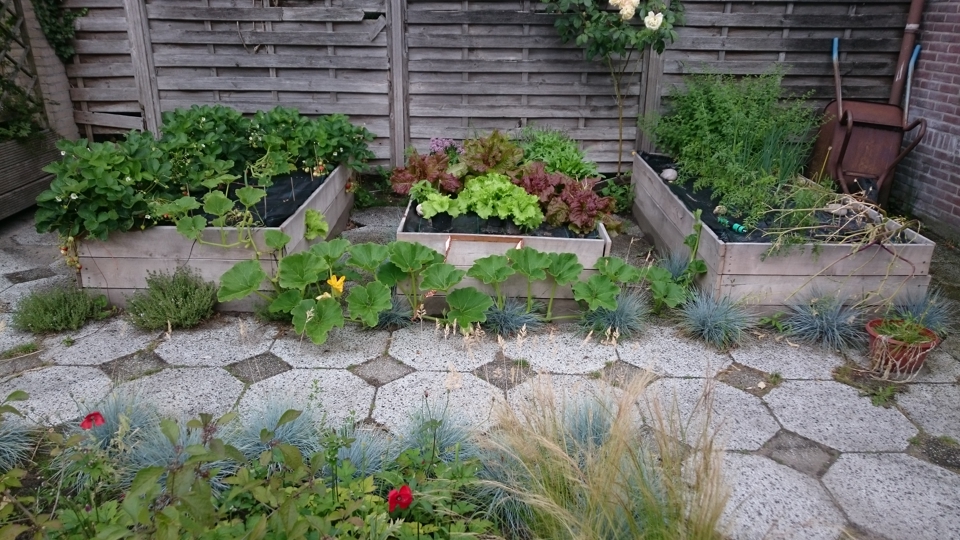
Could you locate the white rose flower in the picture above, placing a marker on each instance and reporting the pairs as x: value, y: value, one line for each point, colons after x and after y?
x: 627, y: 10
x: 653, y: 20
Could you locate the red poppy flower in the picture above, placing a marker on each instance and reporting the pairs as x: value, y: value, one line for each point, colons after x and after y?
x: 400, y: 497
x: 92, y: 419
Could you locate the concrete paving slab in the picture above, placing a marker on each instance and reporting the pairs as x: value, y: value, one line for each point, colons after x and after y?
x: 939, y: 367
x: 377, y: 235
x: 379, y: 216
x: 664, y: 351
x: 739, y: 420
x: 803, y: 362
x: 10, y: 337
x: 347, y: 346
x: 218, y: 342
x: 799, y: 453
x: 835, y: 415
x: 56, y: 392
x: 896, y: 495
x: 561, y: 350
x: 258, y: 368
x: 101, y: 344
x: 504, y: 373
x: 11, y: 295
x: 472, y: 401
x: 337, y: 393
x: 178, y: 392
x: 380, y: 371
x: 772, y: 501
x: 427, y: 349
x: 566, y: 391
x: 133, y: 366
x: 935, y: 407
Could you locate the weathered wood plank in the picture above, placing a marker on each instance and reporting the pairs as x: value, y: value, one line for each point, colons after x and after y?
x: 80, y: 4
x: 870, y: 68
x: 493, y: 111
x: 305, y: 107
x: 399, y: 97
x: 97, y: 70
x: 807, y: 44
x: 141, y: 52
x: 298, y: 84
x: 104, y: 94
x: 253, y: 38
x: 100, y: 24
x: 483, y: 42
x: 268, y: 61
x: 108, y: 120
x: 101, y: 46
x: 789, y: 20
x: 23, y: 197
x: 479, y: 17
x: 776, y: 290
x: 519, y: 88
x: 507, y: 66
x: 320, y: 14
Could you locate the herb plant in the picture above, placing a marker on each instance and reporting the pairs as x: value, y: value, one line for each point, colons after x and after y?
x: 179, y: 300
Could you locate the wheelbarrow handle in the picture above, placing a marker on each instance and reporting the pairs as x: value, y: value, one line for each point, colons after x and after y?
x: 836, y: 75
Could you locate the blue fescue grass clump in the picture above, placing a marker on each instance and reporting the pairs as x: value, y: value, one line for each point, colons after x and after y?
x: 628, y: 319
x: 370, y: 451
x: 397, y: 317
x: 433, y: 431
x: 824, y: 320
x: 156, y: 450
x: 302, y: 432
x: 933, y: 310
x: 16, y: 441
x: 675, y: 262
x: 720, y: 322
x: 511, y: 319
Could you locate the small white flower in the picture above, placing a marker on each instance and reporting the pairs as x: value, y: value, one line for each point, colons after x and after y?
x: 73, y: 196
x: 128, y: 179
x: 653, y: 20
x: 148, y: 216
x: 324, y: 295
x: 203, y: 118
x: 59, y: 199
x: 62, y: 153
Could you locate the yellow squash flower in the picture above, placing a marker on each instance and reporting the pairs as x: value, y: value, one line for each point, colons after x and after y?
x: 336, y: 284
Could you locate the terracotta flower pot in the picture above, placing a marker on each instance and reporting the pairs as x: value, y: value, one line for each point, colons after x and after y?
x: 900, y: 357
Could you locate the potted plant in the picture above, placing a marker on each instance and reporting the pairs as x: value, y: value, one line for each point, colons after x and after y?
x: 899, y: 345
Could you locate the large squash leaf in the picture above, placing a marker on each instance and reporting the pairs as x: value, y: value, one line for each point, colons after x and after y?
x: 598, y: 292
x: 368, y: 301
x: 316, y: 318
x: 491, y: 269
x: 241, y: 280
x: 467, y: 306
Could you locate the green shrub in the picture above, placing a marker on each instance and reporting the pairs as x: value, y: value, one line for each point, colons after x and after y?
x: 181, y: 300
x: 57, y: 309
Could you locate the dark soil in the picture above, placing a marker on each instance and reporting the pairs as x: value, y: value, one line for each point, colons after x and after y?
x: 703, y: 200
x: 471, y: 223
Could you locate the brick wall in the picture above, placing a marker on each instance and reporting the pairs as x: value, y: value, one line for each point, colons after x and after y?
x: 53, y: 78
x: 928, y: 181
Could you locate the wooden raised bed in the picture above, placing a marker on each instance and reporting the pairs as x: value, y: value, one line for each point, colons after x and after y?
x: 119, y: 266
x: 466, y: 248
x: 21, y: 171
x: 738, y: 270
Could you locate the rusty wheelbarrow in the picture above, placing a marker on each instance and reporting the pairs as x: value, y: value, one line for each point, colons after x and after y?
x: 859, y: 144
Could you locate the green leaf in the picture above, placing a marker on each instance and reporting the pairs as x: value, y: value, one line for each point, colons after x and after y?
x: 491, y: 269
x: 440, y: 277
x: 368, y: 256
x: 170, y: 430
x: 656, y: 273
x: 315, y: 225
x: 285, y: 301
x: 288, y: 416
x: 331, y: 251
x: 668, y: 293
x: 216, y: 203
x: 390, y: 275
x: 299, y: 270
x: 564, y: 268
x: 412, y: 257
x: 275, y: 239
x: 191, y: 227
x: 249, y: 196
x: 367, y: 302
x: 467, y: 306
x: 186, y: 204
x: 241, y: 280
x: 17, y: 395
x: 598, y: 291
x: 618, y: 270
x: 316, y: 318
x: 529, y: 262
x: 292, y: 457
x: 697, y: 267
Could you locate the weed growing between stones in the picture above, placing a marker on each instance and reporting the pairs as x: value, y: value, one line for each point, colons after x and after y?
x: 19, y: 350
x: 179, y: 300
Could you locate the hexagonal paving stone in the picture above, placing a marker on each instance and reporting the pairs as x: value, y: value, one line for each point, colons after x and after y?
x: 834, y: 414
x: 426, y: 349
x: 566, y: 391
x: 803, y: 362
x: 739, y: 420
x: 133, y: 366
x: 936, y: 407
x: 10, y: 337
x: 217, y: 343
x: 55, y: 392
x: 336, y: 392
x: 664, y: 351
x: 11, y: 296
x: 179, y: 392
x: 561, y: 350
x: 896, y: 495
x: 98, y: 345
x: 380, y: 371
x: 473, y: 401
x: 799, y: 453
x: 258, y: 368
x: 769, y: 500
x: 379, y: 216
x: 30, y: 274
x: 504, y: 373
x: 347, y: 346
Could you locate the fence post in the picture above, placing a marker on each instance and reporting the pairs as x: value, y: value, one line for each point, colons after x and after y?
x: 141, y: 52
x: 397, y: 53
x: 651, y: 92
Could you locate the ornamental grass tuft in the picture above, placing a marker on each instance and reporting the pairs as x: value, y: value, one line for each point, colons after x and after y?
x: 59, y: 308
x: 720, y: 322
x: 397, y: 317
x: 824, y: 320
x: 512, y: 318
x: 626, y: 321
x: 179, y: 300
x: 589, y: 469
x: 933, y: 310
x: 261, y: 430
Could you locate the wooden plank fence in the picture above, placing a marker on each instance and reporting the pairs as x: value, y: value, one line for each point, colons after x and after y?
x: 415, y: 69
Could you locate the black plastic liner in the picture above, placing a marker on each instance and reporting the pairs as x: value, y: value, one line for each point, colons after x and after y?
x: 284, y: 197
x: 471, y: 223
